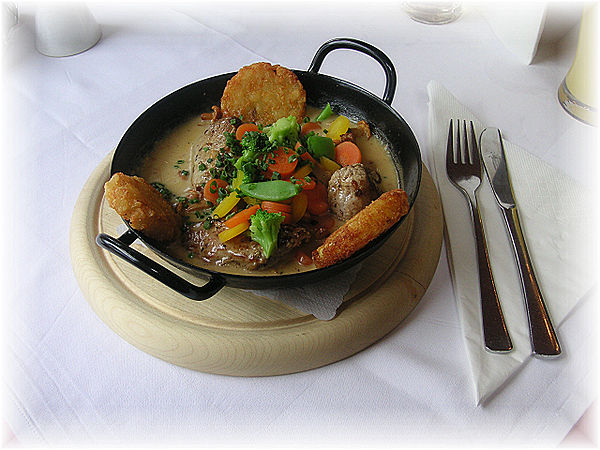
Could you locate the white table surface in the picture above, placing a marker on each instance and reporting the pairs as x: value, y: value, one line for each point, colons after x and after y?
x: 71, y: 380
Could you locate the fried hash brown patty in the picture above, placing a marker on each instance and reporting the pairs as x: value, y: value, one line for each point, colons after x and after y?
x: 371, y: 221
x: 263, y: 93
x: 143, y: 207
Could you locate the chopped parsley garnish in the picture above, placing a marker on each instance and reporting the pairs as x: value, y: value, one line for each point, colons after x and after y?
x: 160, y: 187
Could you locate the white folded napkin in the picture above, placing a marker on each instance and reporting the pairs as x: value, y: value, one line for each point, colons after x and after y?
x: 321, y: 299
x: 558, y: 222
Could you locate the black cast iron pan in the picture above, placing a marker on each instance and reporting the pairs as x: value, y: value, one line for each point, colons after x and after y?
x: 345, y: 98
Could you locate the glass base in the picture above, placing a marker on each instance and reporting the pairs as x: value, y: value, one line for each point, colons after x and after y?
x: 579, y: 110
x: 433, y: 13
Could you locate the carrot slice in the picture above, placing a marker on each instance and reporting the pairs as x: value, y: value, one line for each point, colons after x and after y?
x: 319, y: 193
x: 275, y: 207
x: 308, y: 127
x: 243, y: 128
x: 347, y: 153
x: 317, y: 199
x: 306, y: 185
x: 283, y: 160
x: 242, y: 216
x: 211, y: 189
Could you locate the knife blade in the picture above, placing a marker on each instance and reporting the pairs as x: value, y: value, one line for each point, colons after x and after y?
x: 541, y: 331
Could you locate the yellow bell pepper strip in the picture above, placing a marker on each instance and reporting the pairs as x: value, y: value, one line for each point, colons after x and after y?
x: 231, y: 200
x: 328, y: 164
x: 302, y: 172
x: 338, y: 127
x: 299, y: 206
x: 230, y: 233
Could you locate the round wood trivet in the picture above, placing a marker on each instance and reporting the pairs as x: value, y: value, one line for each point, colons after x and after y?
x: 239, y: 333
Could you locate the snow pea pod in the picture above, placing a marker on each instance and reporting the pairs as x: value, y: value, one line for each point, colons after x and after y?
x: 274, y: 190
x: 325, y: 113
x: 321, y: 146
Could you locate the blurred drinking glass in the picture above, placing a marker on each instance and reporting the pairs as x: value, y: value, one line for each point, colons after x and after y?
x: 65, y: 28
x: 433, y: 13
x: 578, y: 93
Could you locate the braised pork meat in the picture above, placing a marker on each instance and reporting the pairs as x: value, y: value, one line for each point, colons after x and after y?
x: 242, y: 251
x: 350, y: 190
x: 204, y: 152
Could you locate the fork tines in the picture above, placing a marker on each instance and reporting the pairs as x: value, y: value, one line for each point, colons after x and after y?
x: 465, y: 143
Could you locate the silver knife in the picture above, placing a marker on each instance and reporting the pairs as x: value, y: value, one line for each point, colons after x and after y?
x: 543, y: 337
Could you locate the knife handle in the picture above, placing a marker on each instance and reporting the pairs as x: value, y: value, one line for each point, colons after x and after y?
x: 495, y: 332
x: 543, y: 337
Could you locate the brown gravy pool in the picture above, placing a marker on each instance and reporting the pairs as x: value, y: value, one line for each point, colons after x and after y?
x: 172, y: 154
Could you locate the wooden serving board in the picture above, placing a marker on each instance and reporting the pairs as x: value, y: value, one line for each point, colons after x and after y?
x: 239, y: 333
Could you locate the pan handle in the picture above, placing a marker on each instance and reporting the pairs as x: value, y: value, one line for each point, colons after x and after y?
x: 121, y: 247
x: 367, y: 49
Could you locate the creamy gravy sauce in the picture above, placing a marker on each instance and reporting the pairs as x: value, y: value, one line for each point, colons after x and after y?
x: 173, y: 153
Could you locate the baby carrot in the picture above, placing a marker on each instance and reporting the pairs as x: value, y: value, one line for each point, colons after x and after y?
x: 242, y: 216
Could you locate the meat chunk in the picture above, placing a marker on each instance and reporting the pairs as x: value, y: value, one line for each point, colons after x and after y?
x: 203, y: 153
x: 362, y: 129
x: 241, y: 251
x: 349, y: 191
x: 291, y: 237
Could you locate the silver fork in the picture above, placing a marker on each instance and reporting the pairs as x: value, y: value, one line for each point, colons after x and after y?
x: 463, y: 166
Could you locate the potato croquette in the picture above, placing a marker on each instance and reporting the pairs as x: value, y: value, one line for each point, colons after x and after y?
x: 366, y: 225
x: 143, y: 207
x: 263, y: 93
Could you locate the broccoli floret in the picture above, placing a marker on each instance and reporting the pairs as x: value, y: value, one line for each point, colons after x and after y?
x: 253, y: 144
x: 264, y: 228
x: 284, y: 132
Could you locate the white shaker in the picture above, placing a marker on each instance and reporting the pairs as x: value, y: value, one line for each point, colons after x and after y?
x: 64, y: 29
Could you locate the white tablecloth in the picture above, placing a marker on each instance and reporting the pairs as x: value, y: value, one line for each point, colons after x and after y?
x: 71, y: 380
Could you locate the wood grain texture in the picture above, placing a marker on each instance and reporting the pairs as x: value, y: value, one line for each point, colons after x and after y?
x: 239, y: 333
